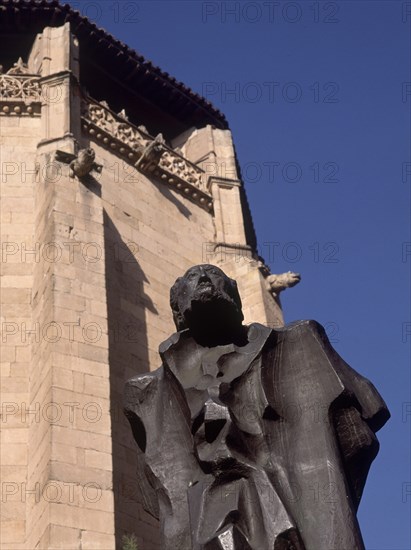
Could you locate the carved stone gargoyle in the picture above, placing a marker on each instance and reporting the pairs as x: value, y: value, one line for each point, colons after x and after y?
x: 151, y: 154
x: 277, y: 282
x: 81, y: 164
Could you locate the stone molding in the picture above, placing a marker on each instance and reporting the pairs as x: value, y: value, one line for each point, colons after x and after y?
x: 234, y: 251
x: 223, y: 182
x: 148, y: 154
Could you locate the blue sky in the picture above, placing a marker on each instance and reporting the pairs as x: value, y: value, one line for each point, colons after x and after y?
x: 320, y: 113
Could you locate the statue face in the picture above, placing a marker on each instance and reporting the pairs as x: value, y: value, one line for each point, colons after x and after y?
x: 203, y: 285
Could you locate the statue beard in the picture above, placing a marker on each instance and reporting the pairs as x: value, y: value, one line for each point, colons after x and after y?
x: 213, y: 316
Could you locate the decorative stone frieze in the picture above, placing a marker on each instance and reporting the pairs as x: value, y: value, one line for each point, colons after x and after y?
x: 20, y: 92
x: 146, y: 153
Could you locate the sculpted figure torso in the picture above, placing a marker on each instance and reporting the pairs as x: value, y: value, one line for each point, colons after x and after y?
x: 251, y: 438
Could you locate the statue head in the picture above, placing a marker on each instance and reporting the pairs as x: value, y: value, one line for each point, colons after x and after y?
x: 203, y: 298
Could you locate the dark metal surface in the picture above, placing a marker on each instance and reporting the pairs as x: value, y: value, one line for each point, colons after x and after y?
x: 251, y: 438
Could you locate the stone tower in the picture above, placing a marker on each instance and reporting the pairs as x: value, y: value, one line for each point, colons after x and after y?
x: 115, y: 178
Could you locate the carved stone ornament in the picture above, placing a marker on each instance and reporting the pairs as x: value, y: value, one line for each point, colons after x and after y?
x: 81, y: 164
x: 250, y: 438
x: 276, y: 283
x: 146, y: 153
x: 19, y: 68
x: 20, y: 92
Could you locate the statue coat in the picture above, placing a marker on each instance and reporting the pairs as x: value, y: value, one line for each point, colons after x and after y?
x: 264, y: 446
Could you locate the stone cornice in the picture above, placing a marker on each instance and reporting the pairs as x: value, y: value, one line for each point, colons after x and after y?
x: 29, y: 17
x: 59, y: 76
x: 223, y: 182
x: 148, y: 154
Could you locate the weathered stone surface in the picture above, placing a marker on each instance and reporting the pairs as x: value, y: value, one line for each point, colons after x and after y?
x: 86, y: 266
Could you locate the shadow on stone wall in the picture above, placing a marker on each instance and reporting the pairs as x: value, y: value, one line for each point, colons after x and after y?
x: 128, y: 356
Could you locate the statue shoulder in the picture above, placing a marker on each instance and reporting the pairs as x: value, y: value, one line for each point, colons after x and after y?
x: 311, y: 335
x: 142, y: 381
x: 303, y: 327
x: 142, y: 388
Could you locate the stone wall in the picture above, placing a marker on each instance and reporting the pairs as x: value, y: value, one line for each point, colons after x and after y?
x: 18, y: 140
x: 87, y: 264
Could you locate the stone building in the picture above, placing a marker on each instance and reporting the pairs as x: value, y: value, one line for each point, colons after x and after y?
x: 90, y: 247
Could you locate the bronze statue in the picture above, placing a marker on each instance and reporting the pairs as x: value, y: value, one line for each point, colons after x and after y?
x: 250, y: 437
